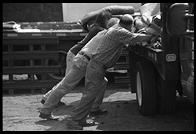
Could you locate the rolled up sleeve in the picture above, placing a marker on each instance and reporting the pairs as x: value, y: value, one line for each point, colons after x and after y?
x: 127, y: 37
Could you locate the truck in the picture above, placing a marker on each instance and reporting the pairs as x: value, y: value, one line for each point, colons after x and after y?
x: 160, y: 70
x: 158, y: 75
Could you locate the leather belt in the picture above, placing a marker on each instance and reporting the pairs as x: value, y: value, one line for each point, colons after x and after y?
x: 85, y: 55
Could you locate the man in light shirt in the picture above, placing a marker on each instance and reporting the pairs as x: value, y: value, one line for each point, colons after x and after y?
x: 101, y: 22
x: 100, y: 53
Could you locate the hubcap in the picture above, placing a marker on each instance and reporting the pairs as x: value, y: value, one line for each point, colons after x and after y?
x: 139, y: 89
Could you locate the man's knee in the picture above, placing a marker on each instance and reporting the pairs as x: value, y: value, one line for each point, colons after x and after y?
x: 105, y: 80
x: 64, y: 87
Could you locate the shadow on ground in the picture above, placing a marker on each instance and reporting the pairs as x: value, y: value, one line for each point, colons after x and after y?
x: 124, y: 116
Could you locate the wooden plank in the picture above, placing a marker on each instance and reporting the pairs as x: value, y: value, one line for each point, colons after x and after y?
x: 121, y: 66
x: 30, y: 69
x: 35, y: 40
x: 71, y: 37
x: 16, y: 85
x: 119, y: 85
x: 121, y: 80
x: 125, y: 53
x: 30, y: 55
x: 11, y: 92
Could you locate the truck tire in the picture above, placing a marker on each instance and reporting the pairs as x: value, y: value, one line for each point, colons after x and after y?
x: 166, y: 95
x: 132, y: 79
x: 133, y: 58
x: 146, y: 93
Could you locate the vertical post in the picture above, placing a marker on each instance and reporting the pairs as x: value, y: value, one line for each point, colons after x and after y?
x: 167, y: 86
x: 10, y: 64
x: 44, y: 62
x: 31, y: 61
x: 31, y: 64
x: 10, y: 61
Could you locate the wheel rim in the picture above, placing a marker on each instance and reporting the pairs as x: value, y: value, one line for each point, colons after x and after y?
x: 139, y: 89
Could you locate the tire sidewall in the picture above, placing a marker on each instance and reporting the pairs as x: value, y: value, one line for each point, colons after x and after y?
x: 148, y: 92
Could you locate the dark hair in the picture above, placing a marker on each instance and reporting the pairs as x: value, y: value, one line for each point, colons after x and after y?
x: 134, y: 22
x: 126, y: 20
x: 102, y: 18
x: 156, y: 20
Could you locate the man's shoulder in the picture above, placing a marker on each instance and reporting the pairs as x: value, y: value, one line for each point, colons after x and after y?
x: 116, y: 28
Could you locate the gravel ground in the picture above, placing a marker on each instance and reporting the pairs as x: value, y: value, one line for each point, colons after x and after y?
x: 20, y: 113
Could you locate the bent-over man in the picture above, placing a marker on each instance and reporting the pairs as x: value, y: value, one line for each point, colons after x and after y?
x: 100, y: 53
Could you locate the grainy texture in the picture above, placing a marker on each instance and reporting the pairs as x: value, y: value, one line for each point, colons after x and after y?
x: 20, y: 114
x: 32, y: 12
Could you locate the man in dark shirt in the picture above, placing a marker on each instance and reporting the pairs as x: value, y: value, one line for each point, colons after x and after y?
x: 93, y: 22
x: 113, y: 9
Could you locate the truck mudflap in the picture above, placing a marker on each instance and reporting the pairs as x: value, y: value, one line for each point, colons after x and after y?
x: 187, y: 68
x: 188, y: 83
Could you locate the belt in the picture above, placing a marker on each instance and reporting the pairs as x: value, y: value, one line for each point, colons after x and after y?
x: 85, y: 55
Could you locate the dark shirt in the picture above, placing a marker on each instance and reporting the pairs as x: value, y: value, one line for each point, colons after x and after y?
x: 114, y: 10
x: 95, y: 29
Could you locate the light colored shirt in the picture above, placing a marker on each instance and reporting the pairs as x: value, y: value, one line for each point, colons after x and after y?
x: 95, y: 29
x: 107, y: 45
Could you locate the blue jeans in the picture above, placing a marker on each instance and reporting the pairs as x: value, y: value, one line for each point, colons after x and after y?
x: 69, y: 82
x: 95, y: 83
x: 69, y: 64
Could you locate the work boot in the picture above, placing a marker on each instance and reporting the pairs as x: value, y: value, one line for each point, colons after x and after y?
x: 47, y: 116
x: 72, y: 124
x: 58, y: 105
x: 98, y: 112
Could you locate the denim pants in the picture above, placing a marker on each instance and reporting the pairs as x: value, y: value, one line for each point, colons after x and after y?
x: 69, y: 82
x: 94, y: 83
x: 69, y: 63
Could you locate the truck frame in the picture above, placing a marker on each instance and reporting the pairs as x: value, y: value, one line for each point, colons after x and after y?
x: 156, y: 74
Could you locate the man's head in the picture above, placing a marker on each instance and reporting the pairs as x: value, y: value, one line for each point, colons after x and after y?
x: 147, y: 21
x: 102, y: 19
x: 138, y: 23
x: 126, y: 21
x: 155, y: 26
x: 112, y: 21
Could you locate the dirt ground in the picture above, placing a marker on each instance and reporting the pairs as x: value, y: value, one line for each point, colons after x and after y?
x: 20, y: 113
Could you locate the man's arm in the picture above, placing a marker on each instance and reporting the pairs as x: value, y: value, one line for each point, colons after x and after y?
x: 127, y: 37
x: 91, y: 34
x: 140, y: 38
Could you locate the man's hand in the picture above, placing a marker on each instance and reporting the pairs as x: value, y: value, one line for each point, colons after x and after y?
x: 154, y: 38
